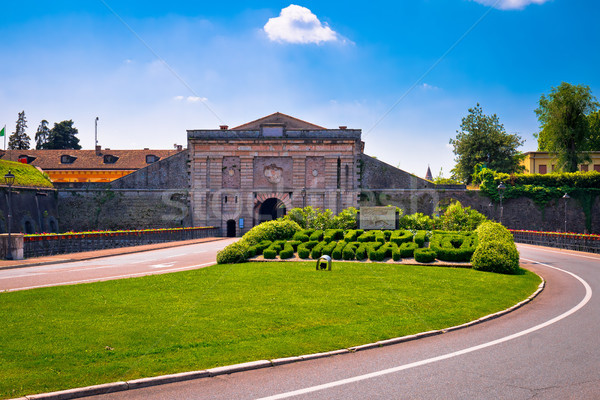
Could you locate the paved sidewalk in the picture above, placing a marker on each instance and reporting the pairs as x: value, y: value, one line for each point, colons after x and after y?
x: 88, y: 255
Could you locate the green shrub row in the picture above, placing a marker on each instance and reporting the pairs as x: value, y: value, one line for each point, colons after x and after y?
x: 401, y: 236
x: 453, y: 246
x: 496, y: 251
x: 425, y: 255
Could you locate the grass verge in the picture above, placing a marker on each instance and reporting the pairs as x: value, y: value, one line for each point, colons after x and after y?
x: 71, y: 336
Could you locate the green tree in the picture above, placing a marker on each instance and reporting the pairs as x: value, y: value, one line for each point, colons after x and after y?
x: 42, y: 135
x: 483, y: 140
x: 593, y: 142
x: 19, y: 139
x: 564, y: 125
x: 62, y: 136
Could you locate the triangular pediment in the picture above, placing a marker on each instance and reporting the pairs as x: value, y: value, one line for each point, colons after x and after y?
x: 278, y: 118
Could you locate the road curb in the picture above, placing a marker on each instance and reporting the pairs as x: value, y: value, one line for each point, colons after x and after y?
x: 254, y: 365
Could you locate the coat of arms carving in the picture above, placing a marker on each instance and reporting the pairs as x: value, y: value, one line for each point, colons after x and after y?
x: 273, y: 173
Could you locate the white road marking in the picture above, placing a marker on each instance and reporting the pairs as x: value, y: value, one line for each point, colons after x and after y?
x: 23, y: 275
x: 166, y: 265
x: 582, y: 303
x: 108, y: 278
x: 559, y: 252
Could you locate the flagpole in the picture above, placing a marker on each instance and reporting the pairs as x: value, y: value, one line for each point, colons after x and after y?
x: 4, y: 137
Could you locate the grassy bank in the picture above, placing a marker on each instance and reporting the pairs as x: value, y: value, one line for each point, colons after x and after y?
x: 25, y: 175
x: 71, y: 336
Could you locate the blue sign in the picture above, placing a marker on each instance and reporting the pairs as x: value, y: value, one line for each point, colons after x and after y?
x: 241, y: 224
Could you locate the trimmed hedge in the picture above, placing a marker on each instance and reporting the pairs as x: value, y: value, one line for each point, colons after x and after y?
x: 317, y: 251
x: 401, y: 236
x: 333, y: 234
x: 349, y: 252
x: 493, y: 231
x: 454, y: 247
x: 425, y: 255
x: 352, y: 234
x: 420, y: 238
x: 496, y: 251
x: 328, y: 248
x: 337, y: 251
x: 287, y: 252
x: 270, y: 254
x: 316, y: 235
x: 407, y: 249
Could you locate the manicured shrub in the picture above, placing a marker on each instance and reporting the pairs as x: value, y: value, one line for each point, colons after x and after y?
x: 303, y: 252
x: 376, y: 255
x: 496, y: 256
x: 337, y: 251
x: 425, y: 255
x: 349, y: 251
x: 387, y: 235
x: 328, y: 248
x: 352, y: 234
x: 251, y: 252
x: 379, y: 236
x: 333, y: 234
x: 361, y: 252
x: 234, y: 253
x: 317, y: 251
x: 420, y: 238
x: 301, y: 236
x: 270, y: 253
x: 407, y: 249
x: 417, y: 221
x: 401, y: 236
x: 287, y: 252
x: 454, y: 246
x: 367, y: 236
x: 317, y: 235
x: 295, y: 244
x: 459, y: 218
x: 493, y: 231
x: 396, y: 254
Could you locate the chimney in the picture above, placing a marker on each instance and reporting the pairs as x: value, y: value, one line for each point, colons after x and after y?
x: 224, y: 127
x: 343, y: 127
x: 98, y: 150
x: 179, y: 147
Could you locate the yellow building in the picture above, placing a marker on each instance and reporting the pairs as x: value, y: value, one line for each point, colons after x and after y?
x: 542, y: 162
x: 100, y: 165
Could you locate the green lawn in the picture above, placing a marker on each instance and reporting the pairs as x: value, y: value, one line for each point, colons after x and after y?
x: 70, y: 336
x: 25, y: 175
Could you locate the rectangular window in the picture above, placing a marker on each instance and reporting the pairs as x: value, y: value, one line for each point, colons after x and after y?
x: 597, y: 167
x: 584, y: 168
x: 543, y: 169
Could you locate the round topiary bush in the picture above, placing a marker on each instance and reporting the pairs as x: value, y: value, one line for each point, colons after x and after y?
x: 499, y: 256
x: 425, y: 255
x: 270, y: 254
x: 493, y: 231
x: 234, y: 253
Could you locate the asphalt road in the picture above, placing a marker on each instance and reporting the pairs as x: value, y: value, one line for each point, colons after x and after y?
x: 549, y: 349
x: 161, y: 261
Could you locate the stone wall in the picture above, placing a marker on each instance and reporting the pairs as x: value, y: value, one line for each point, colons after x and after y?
x: 33, y: 210
x: 375, y: 174
x: 521, y: 213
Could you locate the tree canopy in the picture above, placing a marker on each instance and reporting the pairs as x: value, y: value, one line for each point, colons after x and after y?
x: 482, y: 139
x: 62, y: 136
x: 19, y: 139
x: 567, y: 118
x: 42, y: 135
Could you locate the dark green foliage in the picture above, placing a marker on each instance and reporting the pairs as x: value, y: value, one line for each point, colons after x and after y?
x: 19, y: 139
x: 496, y: 256
x: 352, y: 234
x: 317, y: 251
x: 361, y: 252
x: 406, y: 249
x: 401, y: 236
x: 328, y: 248
x: 396, y: 256
x: 270, y: 254
x: 234, y: 253
x: 425, y: 255
x: 295, y: 244
x: 333, y: 234
x: 420, y: 238
x: 367, y: 236
x: 303, y: 252
x: 493, y: 231
x: 379, y: 236
x: 417, y: 221
x: 483, y: 139
x: 454, y: 247
x: 349, y: 252
x: 337, y: 251
x: 565, y: 128
x: 41, y: 135
x: 383, y: 252
x: 459, y: 218
x: 287, y: 252
x: 316, y: 235
x: 63, y: 136
x: 315, y: 218
x: 301, y: 236
x: 387, y: 234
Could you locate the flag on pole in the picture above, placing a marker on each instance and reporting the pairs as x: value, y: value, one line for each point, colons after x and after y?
x: 2, y: 131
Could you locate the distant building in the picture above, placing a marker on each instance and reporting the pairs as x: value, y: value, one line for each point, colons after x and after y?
x: 543, y: 162
x: 100, y: 165
x: 428, y: 175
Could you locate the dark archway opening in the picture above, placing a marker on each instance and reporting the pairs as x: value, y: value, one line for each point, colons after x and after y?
x: 231, y: 228
x: 271, y: 209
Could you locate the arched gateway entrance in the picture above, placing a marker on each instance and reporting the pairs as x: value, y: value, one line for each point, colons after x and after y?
x: 270, y: 209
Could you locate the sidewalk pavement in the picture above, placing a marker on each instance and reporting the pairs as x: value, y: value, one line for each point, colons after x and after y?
x: 89, y: 255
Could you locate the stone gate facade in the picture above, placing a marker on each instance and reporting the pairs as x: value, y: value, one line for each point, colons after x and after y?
x: 255, y: 172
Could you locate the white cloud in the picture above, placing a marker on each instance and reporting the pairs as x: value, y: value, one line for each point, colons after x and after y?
x: 298, y: 24
x: 178, y: 98
x: 510, y: 4
x: 426, y: 86
x: 194, y: 99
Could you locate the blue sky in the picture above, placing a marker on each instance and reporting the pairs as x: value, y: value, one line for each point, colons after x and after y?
x: 151, y: 70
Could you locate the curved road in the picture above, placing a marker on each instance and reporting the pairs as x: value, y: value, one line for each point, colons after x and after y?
x: 549, y: 349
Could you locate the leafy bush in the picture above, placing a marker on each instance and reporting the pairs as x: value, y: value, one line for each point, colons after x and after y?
x: 379, y: 236
x: 361, y: 252
x: 287, y: 252
x: 328, y: 248
x: 417, y: 221
x: 493, y: 231
x: 301, y: 236
x: 367, y: 236
x: 349, y: 251
x: 459, y: 218
x: 352, y: 234
x: 317, y: 251
x: 303, y: 252
x: 401, y: 236
x: 336, y: 254
x: 314, y: 218
x: 295, y: 244
x: 425, y: 255
x: 234, y: 253
x: 496, y: 256
x: 396, y: 254
x: 453, y: 246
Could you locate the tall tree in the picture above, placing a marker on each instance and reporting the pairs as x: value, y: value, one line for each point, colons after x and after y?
x: 593, y: 137
x: 42, y: 135
x: 19, y: 139
x: 483, y: 140
x: 564, y: 125
x: 62, y: 136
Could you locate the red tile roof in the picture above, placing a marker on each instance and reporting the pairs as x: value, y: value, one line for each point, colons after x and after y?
x: 87, y: 159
